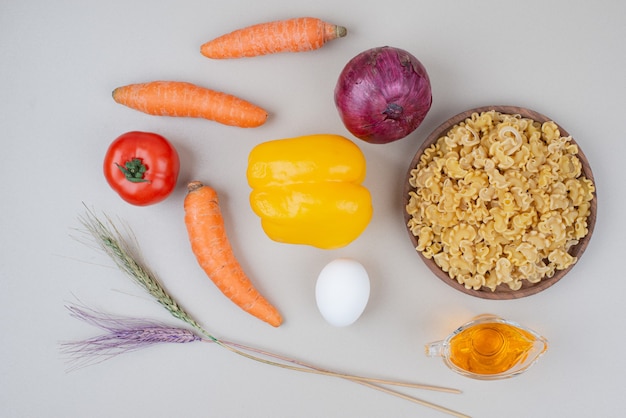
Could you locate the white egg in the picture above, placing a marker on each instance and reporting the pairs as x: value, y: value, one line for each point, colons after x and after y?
x: 342, y: 291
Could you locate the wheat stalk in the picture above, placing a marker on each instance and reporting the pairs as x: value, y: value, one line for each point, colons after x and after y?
x: 124, y: 252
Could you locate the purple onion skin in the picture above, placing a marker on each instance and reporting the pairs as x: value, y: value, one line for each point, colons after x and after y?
x: 383, y: 94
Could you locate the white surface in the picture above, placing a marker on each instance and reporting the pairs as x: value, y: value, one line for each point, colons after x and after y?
x: 59, y: 62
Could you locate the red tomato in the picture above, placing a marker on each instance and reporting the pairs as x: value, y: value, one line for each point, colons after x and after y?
x: 142, y: 167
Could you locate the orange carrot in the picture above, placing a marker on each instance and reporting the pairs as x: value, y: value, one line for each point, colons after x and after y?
x: 210, y: 244
x: 294, y: 35
x: 176, y: 98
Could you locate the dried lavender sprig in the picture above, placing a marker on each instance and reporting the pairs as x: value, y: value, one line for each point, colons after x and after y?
x: 122, y: 335
x: 126, y: 334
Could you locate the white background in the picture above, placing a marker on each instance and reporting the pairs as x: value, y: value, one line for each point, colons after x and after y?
x: 59, y: 62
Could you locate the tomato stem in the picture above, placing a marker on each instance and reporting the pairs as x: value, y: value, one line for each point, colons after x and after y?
x: 134, y: 170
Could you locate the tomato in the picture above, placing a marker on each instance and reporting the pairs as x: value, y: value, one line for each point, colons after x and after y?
x: 142, y: 167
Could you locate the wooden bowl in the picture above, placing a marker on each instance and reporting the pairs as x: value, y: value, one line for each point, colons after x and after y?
x: 502, y: 291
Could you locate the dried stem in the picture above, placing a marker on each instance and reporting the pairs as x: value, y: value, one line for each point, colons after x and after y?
x: 126, y: 257
x: 352, y: 377
x: 372, y: 383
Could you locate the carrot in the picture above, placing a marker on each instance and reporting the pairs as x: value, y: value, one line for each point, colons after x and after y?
x: 176, y: 98
x: 210, y: 245
x: 294, y: 35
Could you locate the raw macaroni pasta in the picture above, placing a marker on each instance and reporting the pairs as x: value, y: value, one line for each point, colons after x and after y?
x: 499, y: 199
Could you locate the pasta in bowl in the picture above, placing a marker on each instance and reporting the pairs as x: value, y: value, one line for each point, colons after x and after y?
x: 500, y: 202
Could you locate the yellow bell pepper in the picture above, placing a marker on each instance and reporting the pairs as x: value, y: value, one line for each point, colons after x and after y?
x: 307, y: 190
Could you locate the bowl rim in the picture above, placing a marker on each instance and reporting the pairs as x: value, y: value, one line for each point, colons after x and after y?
x: 502, y: 292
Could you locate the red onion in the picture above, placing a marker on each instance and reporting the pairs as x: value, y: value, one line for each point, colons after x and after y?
x: 383, y: 94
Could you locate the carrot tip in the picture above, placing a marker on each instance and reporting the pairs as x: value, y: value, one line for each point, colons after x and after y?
x: 194, y: 185
x: 341, y: 31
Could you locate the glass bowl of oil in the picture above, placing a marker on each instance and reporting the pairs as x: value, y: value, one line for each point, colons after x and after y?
x: 489, y: 348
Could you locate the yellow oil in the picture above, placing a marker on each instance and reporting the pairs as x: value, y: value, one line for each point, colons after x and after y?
x: 490, y: 348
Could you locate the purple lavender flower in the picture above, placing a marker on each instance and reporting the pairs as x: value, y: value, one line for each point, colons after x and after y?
x: 122, y: 335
